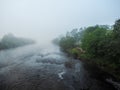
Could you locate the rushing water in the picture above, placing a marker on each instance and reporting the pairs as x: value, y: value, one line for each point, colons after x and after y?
x: 44, y: 67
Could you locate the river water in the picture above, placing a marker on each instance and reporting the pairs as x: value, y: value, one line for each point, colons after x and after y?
x: 44, y: 67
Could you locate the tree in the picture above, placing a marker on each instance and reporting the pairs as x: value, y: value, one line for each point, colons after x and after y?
x: 10, y: 41
x: 67, y: 43
x: 116, y: 30
x: 92, y: 40
x: 115, y: 43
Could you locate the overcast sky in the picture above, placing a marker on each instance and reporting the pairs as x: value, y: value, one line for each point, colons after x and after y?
x: 46, y: 19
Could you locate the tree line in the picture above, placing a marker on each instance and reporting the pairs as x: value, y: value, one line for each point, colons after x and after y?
x: 99, y: 44
x: 10, y: 41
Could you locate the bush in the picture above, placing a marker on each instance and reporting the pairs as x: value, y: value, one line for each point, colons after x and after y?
x: 10, y: 41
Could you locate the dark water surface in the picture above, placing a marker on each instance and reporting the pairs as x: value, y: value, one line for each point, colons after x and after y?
x: 40, y: 67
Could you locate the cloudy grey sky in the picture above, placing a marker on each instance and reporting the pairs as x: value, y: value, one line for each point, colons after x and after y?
x: 46, y: 19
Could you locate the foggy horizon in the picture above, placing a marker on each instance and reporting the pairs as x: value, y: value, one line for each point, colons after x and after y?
x: 44, y: 20
x: 59, y: 45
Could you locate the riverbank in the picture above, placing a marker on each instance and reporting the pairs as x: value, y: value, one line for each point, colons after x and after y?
x: 35, y: 68
x: 101, y: 73
x: 104, y: 67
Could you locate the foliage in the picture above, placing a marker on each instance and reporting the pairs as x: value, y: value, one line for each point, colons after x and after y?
x: 69, y: 41
x: 93, y: 40
x: 117, y: 29
x: 10, y: 41
x: 101, y: 43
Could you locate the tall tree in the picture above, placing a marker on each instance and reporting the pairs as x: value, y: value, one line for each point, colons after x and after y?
x: 117, y: 29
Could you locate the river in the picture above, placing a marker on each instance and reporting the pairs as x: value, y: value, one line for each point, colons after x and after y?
x: 44, y: 67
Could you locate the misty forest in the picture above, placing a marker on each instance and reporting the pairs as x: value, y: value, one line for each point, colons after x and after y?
x: 59, y: 45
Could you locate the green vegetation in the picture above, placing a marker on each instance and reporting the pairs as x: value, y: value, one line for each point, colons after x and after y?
x: 99, y: 44
x: 10, y: 41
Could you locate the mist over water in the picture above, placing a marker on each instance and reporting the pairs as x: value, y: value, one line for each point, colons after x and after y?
x: 28, y: 58
x: 43, y: 67
x: 44, y: 48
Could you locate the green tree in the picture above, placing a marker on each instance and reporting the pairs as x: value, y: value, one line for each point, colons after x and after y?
x: 93, y: 40
x: 115, y: 43
x: 67, y: 43
x: 116, y: 29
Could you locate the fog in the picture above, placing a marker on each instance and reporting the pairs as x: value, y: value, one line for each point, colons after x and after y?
x: 44, y: 20
x: 25, y: 65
